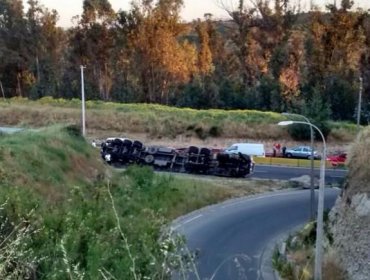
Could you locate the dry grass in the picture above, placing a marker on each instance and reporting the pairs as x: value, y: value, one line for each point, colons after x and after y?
x: 332, y: 269
x: 158, y: 123
x: 359, y: 168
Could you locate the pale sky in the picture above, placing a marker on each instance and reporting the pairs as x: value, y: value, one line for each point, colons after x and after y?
x: 193, y: 8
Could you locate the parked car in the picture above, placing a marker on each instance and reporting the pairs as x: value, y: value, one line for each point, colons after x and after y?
x: 250, y: 149
x: 301, y: 152
x: 337, y: 159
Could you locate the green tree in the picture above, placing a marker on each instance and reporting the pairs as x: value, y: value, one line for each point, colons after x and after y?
x: 13, y: 45
x: 93, y: 43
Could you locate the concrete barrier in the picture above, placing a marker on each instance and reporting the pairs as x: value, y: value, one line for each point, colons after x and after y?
x: 292, y: 162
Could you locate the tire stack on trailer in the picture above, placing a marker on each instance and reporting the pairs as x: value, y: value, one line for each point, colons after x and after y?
x: 119, y: 151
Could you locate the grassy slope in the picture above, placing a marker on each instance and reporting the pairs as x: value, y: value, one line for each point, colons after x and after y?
x: 154, y: 120
x: 57, y: 218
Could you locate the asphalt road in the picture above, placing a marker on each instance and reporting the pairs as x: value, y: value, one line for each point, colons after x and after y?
x: 286, y: 173
x: 235, y: 239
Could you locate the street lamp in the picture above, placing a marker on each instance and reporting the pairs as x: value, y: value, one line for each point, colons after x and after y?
x: 83, y: 100
x: 359, y: 104
x: 312, y: 187
x: 320, y: 207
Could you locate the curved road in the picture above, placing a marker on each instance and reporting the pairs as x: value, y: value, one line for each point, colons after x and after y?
x: 235, y: 239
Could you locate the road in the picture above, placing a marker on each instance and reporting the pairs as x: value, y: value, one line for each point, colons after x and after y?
x: 235, y: 239
x: 286, y: 173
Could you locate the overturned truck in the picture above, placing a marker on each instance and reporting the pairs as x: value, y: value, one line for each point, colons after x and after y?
x: 120, y: 151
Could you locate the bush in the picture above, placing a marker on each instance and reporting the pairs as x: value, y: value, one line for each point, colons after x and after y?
x: 302, y: 132
x: 318, y: 112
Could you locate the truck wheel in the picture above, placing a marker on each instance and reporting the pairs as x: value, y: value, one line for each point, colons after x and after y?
x: 149, y: 159
x: 152, y: 150
x: 137, y: 145
x: 193, y: 150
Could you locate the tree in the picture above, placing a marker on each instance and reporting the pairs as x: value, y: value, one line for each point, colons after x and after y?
x: 161, y: 58
x: 45, y: 43
x: 14, y: 54
x: 204, y: 54
x: 93, y: 43
x: 333, y: 50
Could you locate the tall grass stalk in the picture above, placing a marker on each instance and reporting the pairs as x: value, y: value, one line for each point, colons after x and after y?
x: 73, y: 271
x: 126, y: 244
x: 16, y: 259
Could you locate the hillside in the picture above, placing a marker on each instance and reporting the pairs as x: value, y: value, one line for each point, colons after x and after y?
x: 66, y: 215
x: 158, y: 123
x: 350, y: 218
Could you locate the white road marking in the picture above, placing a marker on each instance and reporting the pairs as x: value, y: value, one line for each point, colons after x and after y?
x: 187, y: 221
x: 256, y: 198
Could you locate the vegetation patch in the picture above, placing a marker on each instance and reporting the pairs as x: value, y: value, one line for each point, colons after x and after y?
x: 157, y: 121
x: 295, y: 258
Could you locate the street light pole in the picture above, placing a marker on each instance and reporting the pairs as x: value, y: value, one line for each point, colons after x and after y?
x: 320, y: 207
x: 83, y: 100
x: 359, y: 105
x: 312, y: 183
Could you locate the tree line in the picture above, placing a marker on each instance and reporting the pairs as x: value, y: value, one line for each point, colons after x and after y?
x: 268, y: 55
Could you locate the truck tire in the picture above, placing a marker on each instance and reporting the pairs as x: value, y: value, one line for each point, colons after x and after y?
x: 152, y: 150
x: 205, y: 151
x: 149, y: 159
x: 137, y: 145
x: 193, y: 150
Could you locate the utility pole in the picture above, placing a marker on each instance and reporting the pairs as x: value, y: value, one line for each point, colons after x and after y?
x: 320, y: 206
x: 312, y: 158
x: 2, y: 90
x: 359, y: 105
x: 83, y: 100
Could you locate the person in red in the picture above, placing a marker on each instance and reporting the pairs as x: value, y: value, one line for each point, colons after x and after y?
x: 276, y: 150
x: 278, y: 146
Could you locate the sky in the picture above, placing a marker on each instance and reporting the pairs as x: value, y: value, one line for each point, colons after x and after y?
x: 193, y: 9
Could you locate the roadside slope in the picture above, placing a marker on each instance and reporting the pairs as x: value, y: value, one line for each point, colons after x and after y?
x: 157, y: 122
x: 350, y: 217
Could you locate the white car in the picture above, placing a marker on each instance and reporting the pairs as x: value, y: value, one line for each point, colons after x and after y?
x: 301, y: 152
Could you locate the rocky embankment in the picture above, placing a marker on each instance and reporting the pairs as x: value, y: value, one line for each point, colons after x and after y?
x: 350, y: 218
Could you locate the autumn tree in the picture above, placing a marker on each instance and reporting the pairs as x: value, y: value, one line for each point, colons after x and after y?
x: 259, y: 30
x: 205, y: 66
x: 161, y: 58
x: 334, y: 46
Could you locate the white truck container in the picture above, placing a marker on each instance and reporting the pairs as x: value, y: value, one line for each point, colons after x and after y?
x: 250, y: 149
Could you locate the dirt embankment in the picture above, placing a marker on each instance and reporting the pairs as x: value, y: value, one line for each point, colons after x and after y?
x: 350, y: 218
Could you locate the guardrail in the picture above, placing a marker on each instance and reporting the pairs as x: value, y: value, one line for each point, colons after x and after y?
x: 294, y: 162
